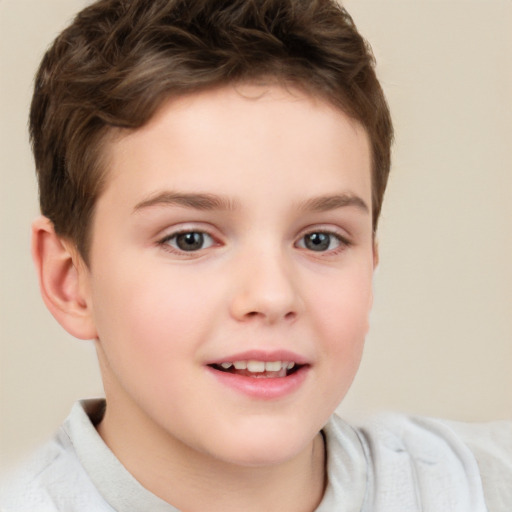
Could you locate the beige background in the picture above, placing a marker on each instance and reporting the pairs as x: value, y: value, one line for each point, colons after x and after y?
x: 441, y: 338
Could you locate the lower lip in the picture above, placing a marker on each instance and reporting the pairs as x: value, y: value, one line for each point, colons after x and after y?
x: 262, y: 388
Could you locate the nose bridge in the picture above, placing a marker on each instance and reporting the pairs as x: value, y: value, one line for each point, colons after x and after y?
x: 266, y: 285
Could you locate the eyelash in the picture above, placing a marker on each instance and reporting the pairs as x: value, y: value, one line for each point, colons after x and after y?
x: 166, y: 245
x: 343, y: 243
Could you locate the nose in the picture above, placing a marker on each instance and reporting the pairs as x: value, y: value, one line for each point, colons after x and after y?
x: 266, y: 288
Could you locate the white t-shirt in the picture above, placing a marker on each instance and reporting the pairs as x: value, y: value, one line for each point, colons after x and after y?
x: 394, y: 463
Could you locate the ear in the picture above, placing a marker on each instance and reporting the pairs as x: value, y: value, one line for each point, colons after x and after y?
x: 63, y: 280
x: 375, y: 253
x: 375, y: 264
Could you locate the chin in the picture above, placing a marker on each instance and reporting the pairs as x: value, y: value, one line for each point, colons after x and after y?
x: 264, y: 447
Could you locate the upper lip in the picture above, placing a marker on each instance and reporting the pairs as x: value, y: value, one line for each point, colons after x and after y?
x: 262, y: 355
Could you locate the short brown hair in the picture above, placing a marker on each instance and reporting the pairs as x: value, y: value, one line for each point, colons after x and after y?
x: 121, y: 59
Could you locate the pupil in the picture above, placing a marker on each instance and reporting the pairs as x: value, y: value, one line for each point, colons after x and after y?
x: 317, y: 241
x: 190, y: 241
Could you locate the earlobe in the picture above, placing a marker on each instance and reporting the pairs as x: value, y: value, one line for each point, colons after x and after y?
x: 62, y: 280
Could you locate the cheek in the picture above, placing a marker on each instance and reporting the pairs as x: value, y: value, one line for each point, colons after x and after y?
x: 342, y: 306
x: 341, y: 312
x: 147, y: 331
x: 153, y: 314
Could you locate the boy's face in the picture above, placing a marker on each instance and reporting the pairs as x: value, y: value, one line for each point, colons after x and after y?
x: 234, y: 227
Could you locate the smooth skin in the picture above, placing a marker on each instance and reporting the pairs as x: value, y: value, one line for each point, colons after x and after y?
x: 237, y: 219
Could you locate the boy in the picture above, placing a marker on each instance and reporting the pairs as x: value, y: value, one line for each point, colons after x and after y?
x: 211, y: 176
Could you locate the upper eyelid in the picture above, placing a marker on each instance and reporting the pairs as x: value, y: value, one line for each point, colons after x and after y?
x: 186, y: 227
x: 330, y: 229
x: 184, y: 232
x: 178, y: 232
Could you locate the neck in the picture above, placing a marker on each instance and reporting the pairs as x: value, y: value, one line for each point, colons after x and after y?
x: 194, y: 481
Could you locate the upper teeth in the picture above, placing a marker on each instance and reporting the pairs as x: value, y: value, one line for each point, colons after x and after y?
x: 259, y: 366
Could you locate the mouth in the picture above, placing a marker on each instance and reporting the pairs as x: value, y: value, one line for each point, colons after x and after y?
x: 258, y: 369
x: 262, y: 375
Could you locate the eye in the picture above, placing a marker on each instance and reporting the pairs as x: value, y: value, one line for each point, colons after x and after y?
x: 189, y: 241
x: 320, y: 241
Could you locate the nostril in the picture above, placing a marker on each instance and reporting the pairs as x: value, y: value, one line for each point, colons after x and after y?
x: 288, y: 316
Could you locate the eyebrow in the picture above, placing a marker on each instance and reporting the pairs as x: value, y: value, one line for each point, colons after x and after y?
x: 332, y: 202
x: 196, y: 201
x: 208, y: 202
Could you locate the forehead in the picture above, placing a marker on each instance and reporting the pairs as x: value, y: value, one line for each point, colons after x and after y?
x: 224, y: 137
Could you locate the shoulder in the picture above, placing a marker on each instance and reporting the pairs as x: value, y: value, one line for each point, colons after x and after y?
x: 51, y: 480
x: 491, y: 445
x: 440, y: 465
